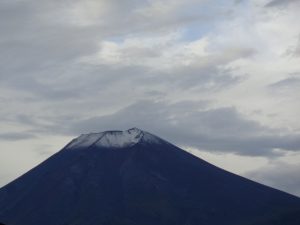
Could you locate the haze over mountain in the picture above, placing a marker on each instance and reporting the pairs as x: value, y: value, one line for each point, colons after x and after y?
x: 135, y: 178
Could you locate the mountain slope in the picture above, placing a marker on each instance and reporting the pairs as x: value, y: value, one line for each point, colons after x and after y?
x: 135, y: 178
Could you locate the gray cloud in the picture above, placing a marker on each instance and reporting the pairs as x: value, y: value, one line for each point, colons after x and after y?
x: 281, y: 175
x: 43, y: 42
x: 62, y: 83
x: 14, y: 136
x: 44, y: 33
x: 30, y: 41
x: 238, y: 1
x: 297, y: 50
x: 207, y: 73
x: 205, y: 79
x: 291, y: 83
x: 191, y: 124
x: 287, y: 82
x: 276, y: 3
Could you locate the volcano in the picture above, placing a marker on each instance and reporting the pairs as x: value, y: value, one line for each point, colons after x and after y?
x: 133, y: 177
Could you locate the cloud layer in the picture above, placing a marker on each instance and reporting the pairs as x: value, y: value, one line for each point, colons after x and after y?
x: 191, y: 124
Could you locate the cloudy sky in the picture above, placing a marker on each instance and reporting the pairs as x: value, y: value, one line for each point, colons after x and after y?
x: 219, y: 78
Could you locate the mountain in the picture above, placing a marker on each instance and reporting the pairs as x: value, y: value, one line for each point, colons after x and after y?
x: 135, y: 178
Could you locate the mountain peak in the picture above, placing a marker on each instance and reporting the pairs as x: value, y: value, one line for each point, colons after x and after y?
x: 112, y: 139
x: 133, y: 177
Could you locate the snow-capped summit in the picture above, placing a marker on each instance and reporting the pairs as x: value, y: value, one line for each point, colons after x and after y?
x: 112, y: 139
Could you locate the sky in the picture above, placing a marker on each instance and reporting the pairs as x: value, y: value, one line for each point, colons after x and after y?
x: 220, y: 79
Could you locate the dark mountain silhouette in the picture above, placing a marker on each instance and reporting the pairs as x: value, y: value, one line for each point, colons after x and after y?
x: 135, y: 178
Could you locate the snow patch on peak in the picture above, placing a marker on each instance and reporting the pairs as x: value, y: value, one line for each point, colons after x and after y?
x: 85, y: 140
x: 120, y: 139
x: 112, y: 139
